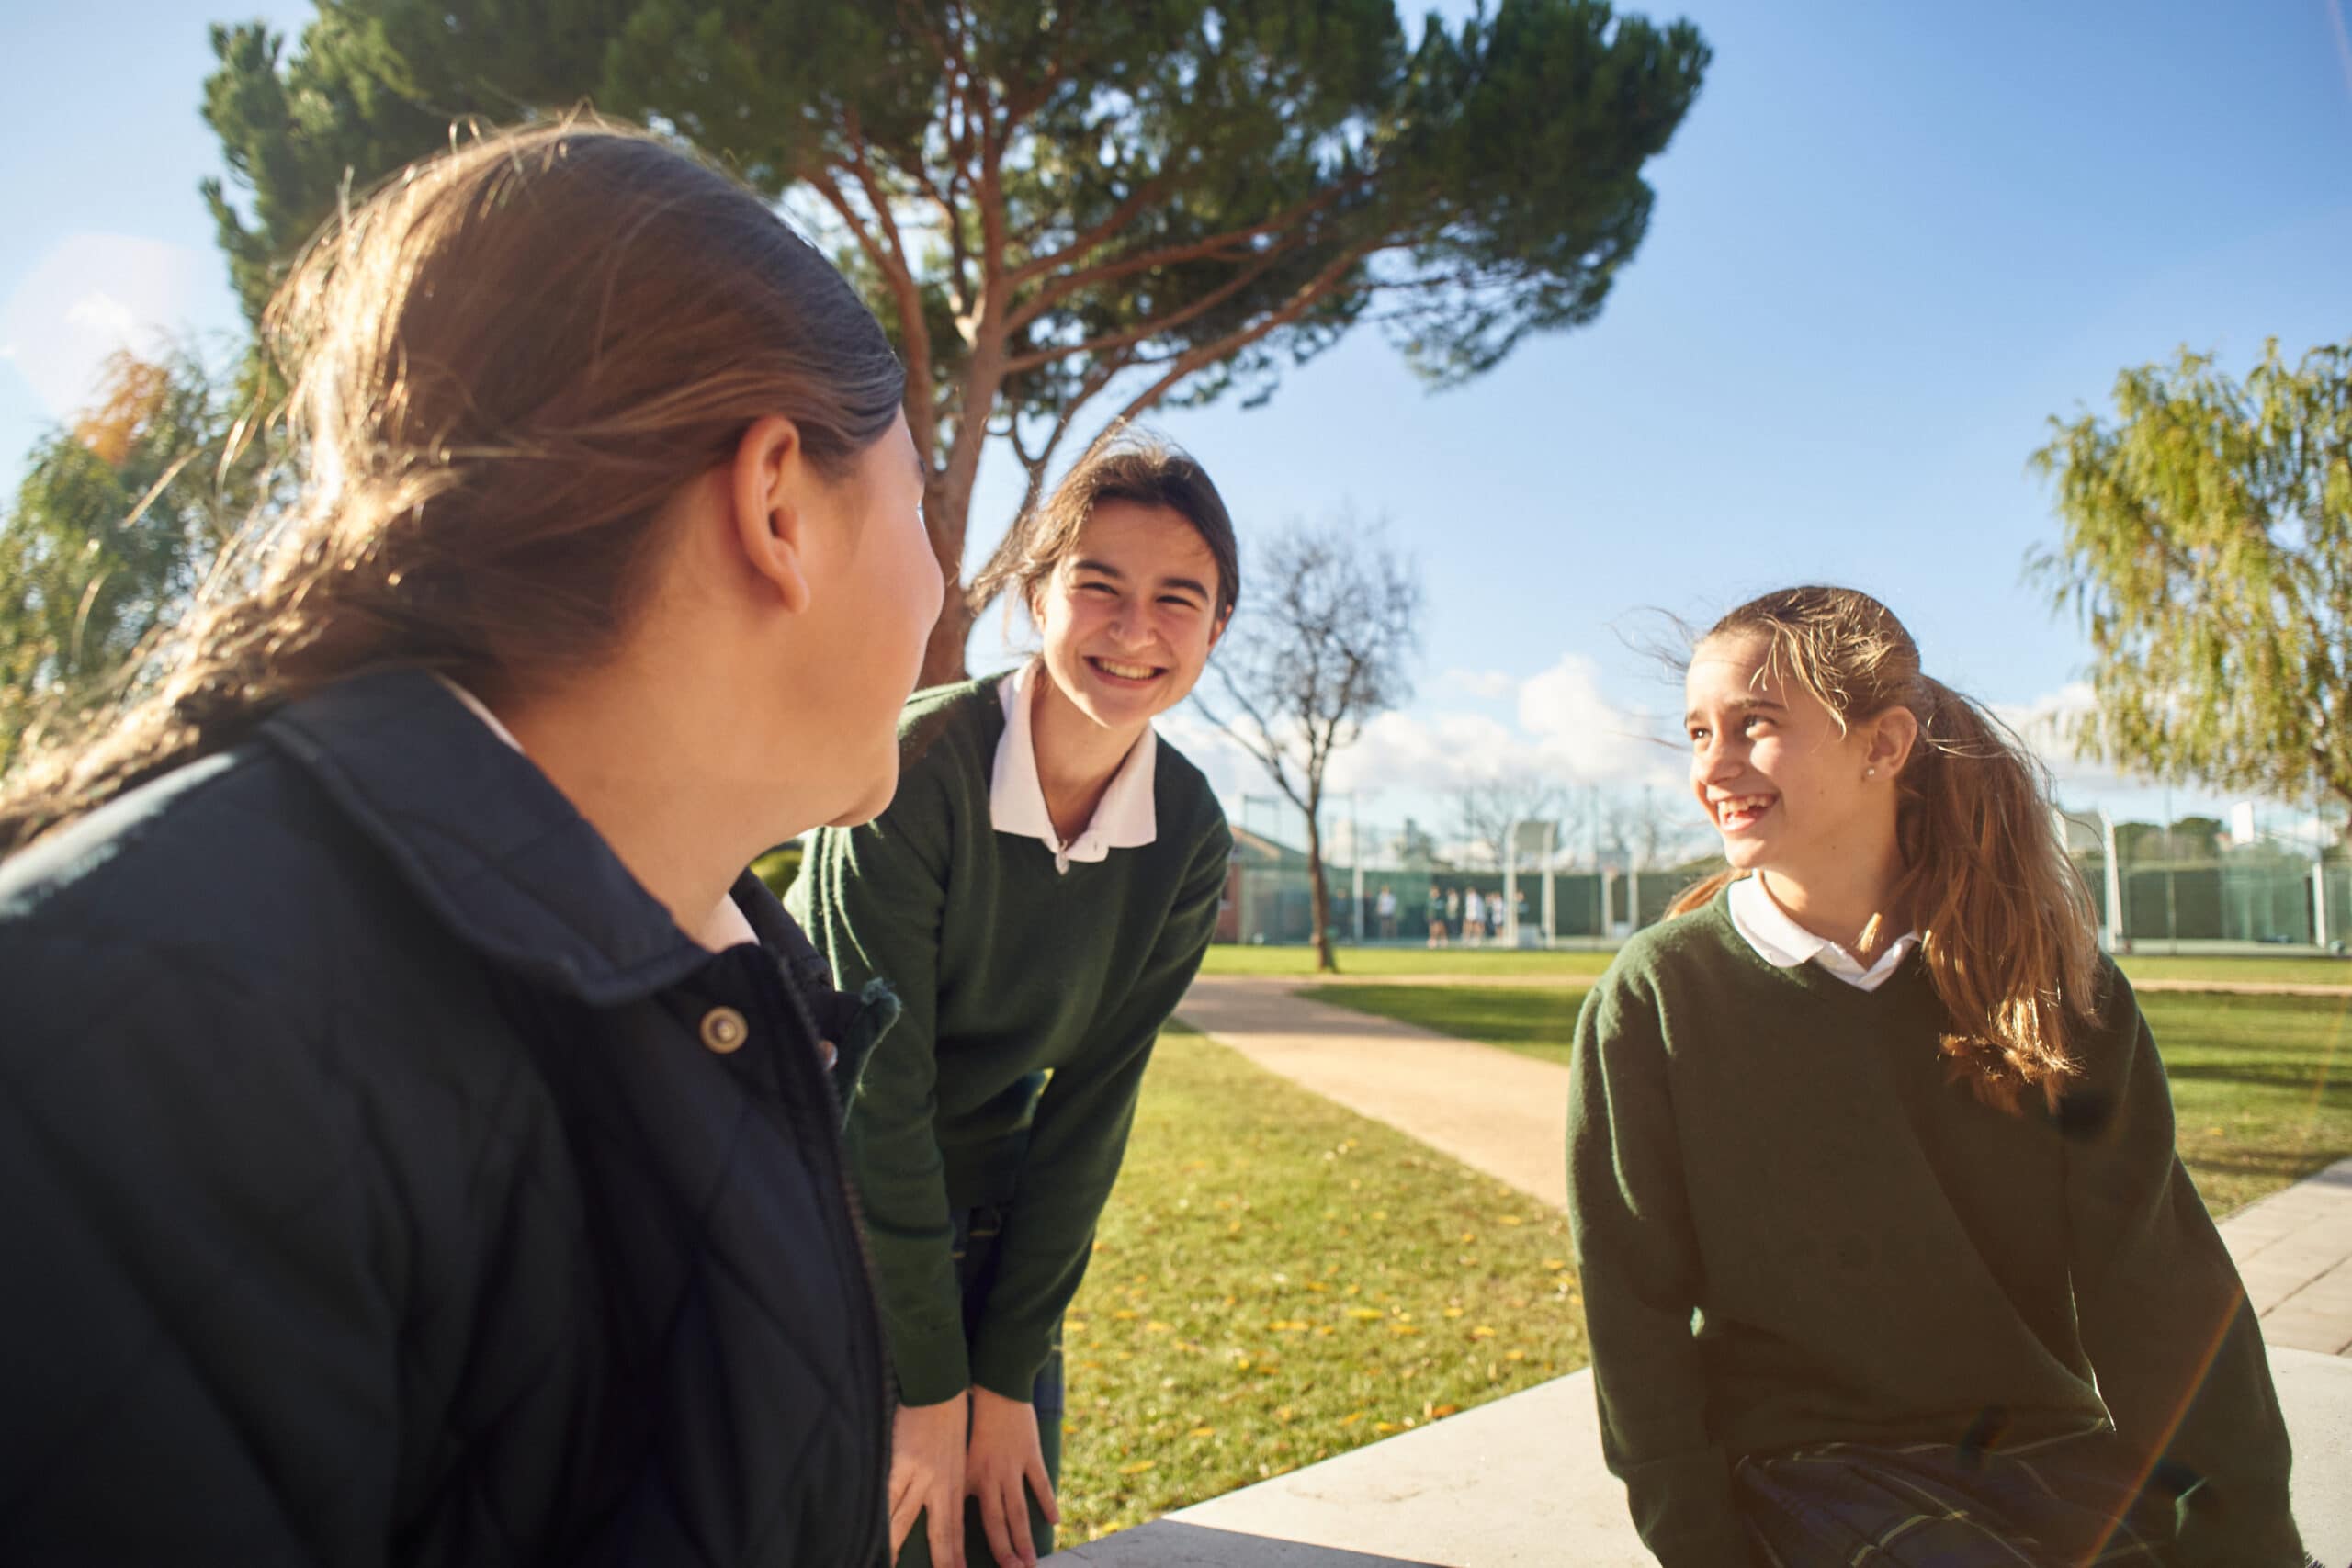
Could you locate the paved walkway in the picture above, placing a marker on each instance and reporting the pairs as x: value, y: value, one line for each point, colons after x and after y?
x: 1519, y: 1484
x: 1505, y: 1114
x: 1495, y: 1110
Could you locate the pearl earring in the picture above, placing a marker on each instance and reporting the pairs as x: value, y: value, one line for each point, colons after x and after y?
x: 1870, y: 772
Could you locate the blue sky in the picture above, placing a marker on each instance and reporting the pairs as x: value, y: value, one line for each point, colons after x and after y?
x: 1890, y: 240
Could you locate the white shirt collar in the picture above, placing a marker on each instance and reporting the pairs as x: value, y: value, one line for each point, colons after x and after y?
x: 1127, y: 818
x: 474, y: 705
x: 1774, y: 934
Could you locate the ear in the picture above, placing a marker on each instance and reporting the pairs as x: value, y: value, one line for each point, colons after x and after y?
x: 1216, y: 632
x: 771, y: 484
x: 1893, y: 736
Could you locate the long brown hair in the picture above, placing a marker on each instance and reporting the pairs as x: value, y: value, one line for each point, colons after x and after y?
x: 504, y: 365
x: 2005, y: 921
x: 1124, y: 463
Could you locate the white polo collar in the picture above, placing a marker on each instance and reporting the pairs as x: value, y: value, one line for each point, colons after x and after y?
x: 1774, y: 934
x: 481, y: 710
x: 1127, y: 818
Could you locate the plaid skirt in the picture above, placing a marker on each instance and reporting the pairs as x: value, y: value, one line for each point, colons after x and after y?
x: 2049, y: 1504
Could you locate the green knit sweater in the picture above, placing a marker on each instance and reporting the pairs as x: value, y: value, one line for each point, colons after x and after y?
x: 1793, y: 1229
x: 1032, y: 999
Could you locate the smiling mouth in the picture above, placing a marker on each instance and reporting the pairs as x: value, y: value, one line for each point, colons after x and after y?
x: 1124, y: 674
x: 1735, y: 812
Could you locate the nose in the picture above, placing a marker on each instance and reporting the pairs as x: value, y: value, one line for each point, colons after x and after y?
x: 1713, y: 761
x: 1130, y: 627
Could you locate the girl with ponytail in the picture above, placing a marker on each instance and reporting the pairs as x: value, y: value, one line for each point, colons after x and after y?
x: 1886, y: 1251
x: 417, y: 1149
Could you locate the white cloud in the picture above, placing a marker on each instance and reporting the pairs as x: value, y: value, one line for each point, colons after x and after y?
x: 104, y: 314
x: 1567, y: 731
x: 2048, y: 725
x: 89, y: 296
x: 1492, y: 684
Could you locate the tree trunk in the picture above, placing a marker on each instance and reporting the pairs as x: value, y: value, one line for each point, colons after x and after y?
x: 1318, y: 899
x: 946, y: 510
x: 942, y: 658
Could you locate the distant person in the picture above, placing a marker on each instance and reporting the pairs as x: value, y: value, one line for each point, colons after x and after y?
x: 1039, y: 895
x: 1886, y: 1251
x: 1495, y: 915
x: 1383, y: 909
x: 416, y: 1153
x: 1473, y: 918
x: 1453, y: 911
x: 1438, y: 935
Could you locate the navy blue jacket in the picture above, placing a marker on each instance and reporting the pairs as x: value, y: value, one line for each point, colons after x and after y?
x: 378, y: 1183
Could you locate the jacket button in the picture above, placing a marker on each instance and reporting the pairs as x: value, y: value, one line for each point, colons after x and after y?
x: 724, y: 1031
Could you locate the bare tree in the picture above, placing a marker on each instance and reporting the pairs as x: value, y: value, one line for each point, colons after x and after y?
x: 1321, y: 649
x: 1490, y: 807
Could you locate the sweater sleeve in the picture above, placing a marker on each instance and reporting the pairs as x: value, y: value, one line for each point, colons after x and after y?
x: 2164, y: 1318
x: 1638, y: 1263
x: 872, y: 897
x: 1078, y: 1139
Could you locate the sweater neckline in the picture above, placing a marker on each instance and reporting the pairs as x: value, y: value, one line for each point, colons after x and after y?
x: 1809, y: 977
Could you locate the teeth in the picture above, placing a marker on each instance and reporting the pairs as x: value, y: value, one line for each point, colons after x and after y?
x: 1743, y: 806
x: 1126, y: 671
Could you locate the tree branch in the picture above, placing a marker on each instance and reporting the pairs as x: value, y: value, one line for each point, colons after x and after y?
x: 1071, y: 283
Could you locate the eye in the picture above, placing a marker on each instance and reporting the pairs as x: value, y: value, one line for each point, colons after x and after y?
x: 1756, y: 719
x: 1697, y: 735
x: 1096, y: 588
x: 1179, y: 601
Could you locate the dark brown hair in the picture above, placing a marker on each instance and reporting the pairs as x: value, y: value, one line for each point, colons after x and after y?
x: 1124, y: 463
x: 2005, y: 921
x: 504, y: 365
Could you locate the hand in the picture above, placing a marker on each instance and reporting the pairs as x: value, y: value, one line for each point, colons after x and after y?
x: 927, y: 1477
x: 1004, y: 1454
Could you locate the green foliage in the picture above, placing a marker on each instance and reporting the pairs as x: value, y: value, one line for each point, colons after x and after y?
x: 117, y: 519
x: 2208, y: 548
x: 779, y: 868
x: 1048, y: 204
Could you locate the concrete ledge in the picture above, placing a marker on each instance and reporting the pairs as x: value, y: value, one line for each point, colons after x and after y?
x: 1171, y: 1543
x: 1520, y: 1483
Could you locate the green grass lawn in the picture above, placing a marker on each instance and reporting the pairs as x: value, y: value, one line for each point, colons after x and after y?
x: 1471, y: 963
x: 1233, y: 958
x: 2262, y: 1086
x: 2275, y: 971
x: 1277, y: 1279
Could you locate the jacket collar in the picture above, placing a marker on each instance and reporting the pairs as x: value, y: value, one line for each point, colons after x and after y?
x: 489, y: 843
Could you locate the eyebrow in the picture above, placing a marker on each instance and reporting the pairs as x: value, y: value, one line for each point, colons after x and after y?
x: 1106, y: 570
x: 1742, y: 705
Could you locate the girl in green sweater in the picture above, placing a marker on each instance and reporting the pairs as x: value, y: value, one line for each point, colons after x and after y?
x: 1886, y: 1252
x: 1038, y: 895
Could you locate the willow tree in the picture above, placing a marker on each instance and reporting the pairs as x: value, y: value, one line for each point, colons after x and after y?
x: 2207, y: 547
x: 119, y: 513
x: 1067, y: 214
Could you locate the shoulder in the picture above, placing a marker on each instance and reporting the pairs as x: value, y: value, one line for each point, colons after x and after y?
x: 229, y: 896
x: 226, y: 941
x: 1681, y: 951
x: 948, y: 740
x: 1187, y: 802
x: 966, y: 714
x: 191, y: 857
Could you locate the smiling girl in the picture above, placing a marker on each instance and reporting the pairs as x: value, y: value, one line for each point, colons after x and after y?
x: 1886, y: 1251
x: 1039, y: 895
